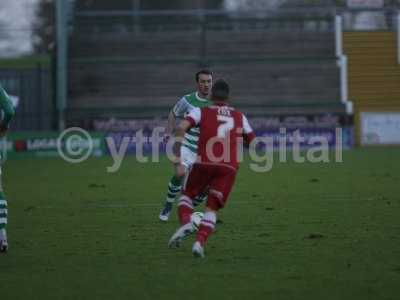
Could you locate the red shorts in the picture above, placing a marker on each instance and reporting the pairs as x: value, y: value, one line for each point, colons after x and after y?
x: 218, y: 180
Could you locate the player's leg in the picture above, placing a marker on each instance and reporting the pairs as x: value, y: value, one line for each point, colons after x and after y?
x: 219, y: 191
x: 207, y: 226
x: 3, y: 220
x: 189, y: 159
x: 201, y: 198
x: 174, y: 187
x: 175, y: 184
x: 196, y: 181
x: 195, y: 184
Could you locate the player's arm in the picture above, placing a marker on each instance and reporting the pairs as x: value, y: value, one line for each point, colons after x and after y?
x: 178, y: 110
x: 180, y: 131
x: 248, y: 133
x: 170, y: 123
x: 191, y: 120
x: 8, y: 109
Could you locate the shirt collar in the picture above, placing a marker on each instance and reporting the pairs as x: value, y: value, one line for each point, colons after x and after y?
x: 220, y: 104
x: 199, y: 98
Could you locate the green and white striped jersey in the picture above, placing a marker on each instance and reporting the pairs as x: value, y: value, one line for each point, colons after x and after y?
x: 6, y: 108
x: 6, y: 114
x: 181, y: 109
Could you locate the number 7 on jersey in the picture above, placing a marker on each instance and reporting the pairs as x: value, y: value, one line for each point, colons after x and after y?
x: 226, y: 125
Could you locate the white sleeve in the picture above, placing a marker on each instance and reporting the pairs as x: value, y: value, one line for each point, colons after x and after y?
x: 181, y: 107
x: 246, y: 126
x: 195, y: 114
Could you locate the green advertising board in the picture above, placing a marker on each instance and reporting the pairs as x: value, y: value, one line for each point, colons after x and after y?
x: 50, y: 144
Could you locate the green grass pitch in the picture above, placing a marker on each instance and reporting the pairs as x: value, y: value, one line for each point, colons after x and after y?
x: 301, y: 231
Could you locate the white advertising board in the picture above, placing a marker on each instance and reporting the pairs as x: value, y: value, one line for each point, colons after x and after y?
x: 380, y: 128
x: 365, y: 3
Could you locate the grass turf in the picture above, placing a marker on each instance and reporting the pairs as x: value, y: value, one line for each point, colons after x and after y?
x: 301, y: 231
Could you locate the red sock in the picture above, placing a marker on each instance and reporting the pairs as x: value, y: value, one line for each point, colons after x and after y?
x: 206, y: 227
x: 185, y: 209
x: 203, y: 234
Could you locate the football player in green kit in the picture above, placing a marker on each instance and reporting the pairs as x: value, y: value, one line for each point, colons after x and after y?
x: 198, y: 98
x: 7, y: 113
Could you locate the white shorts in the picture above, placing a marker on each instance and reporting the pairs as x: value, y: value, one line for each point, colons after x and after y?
x: 188, y: 157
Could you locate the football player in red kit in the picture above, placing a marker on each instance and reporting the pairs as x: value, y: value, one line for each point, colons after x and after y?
x: 222, y: 133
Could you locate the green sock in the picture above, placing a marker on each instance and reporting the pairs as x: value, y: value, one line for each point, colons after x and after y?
x: 200, y: 199
x: 174, y: 187
x: 3, y: 211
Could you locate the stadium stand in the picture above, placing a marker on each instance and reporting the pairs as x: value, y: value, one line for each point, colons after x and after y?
x: 273, y: 68
x: 374, y: 74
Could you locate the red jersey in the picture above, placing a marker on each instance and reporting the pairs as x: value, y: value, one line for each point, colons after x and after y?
x: 222, y: 133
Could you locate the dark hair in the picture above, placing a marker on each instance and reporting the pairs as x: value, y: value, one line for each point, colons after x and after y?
x: 220, y: 90
x: 203, y: 71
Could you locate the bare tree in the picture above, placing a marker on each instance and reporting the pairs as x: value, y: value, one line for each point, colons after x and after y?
x: 44, y: 27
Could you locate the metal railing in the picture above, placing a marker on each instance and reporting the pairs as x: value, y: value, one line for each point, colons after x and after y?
x: 343, y: 65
